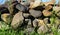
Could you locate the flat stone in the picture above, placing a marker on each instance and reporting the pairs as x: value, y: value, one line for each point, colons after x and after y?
x: 17, y: 20
x: 21, y: 7
x: 47, y: 13
x: 35, y: 13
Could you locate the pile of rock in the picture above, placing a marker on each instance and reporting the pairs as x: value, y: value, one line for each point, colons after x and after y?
x: 32, y: 14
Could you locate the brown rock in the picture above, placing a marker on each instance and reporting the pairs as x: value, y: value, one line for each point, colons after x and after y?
x: 48, y: 7
x: 47, y: 13
x: 6, y: 17
x: 17, y: 20
x: 41, y: 22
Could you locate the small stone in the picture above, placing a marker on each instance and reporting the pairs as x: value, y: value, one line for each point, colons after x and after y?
x: 46, y: 20
x: 42, y: 29
x: 57, y: 21
x: 6, y: 17
x: 21, y: 7
x: 35, y: 13
x: 29, y: 23
x: 47, y: 13
x: 48, y: 7
x: 29, y: 30
x: 56, y: 9
x: 26, y: 15
x: 34, y: 4
x: 17, y: 20
x: 41, y: 22
x: 35, y: 23
x: 49, y: 25
x: 25, y: 2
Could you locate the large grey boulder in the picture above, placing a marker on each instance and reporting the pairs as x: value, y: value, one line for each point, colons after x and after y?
x: 17, y: 20
x: 35, y: 13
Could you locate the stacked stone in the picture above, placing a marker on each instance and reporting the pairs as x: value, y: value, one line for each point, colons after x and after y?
x: 32, y: 14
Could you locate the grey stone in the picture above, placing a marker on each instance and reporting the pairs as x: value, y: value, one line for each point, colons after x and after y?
x: 26, y: 15
x: 42, y: 29
x: 35, y: 23
x: 47, y: 13
x: 17, y: 20
x: 35, y: 13
x: 21, y: 7
x: 29, y: 30
x: 29, y: 23
x: 46, y: 20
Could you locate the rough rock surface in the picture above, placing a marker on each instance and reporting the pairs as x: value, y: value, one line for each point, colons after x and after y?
x: 47, y: 13
x: 6, y: 17
x: 17, y: 20
x: 35, y: 13
x: 42, y: 29
x: 35, y: 23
